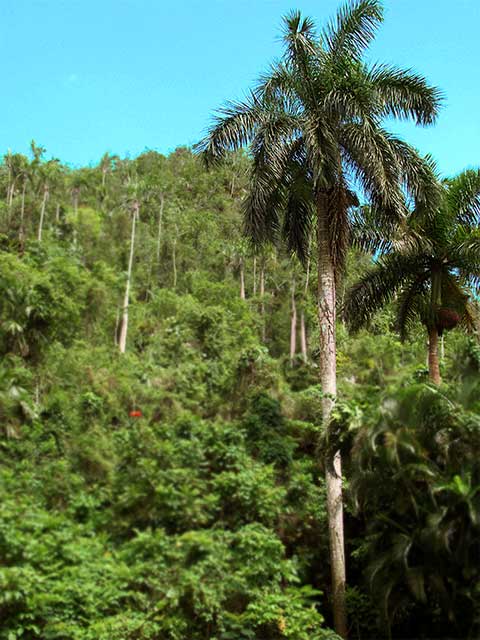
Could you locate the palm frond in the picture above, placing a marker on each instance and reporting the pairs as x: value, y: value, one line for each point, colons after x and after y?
x: 405, y: 94
x: 378, y: 286
x: 463, y: 197
x: 298, y: 36
x: 411, y: 305
x: 233, y: 127
x: 353, y: 29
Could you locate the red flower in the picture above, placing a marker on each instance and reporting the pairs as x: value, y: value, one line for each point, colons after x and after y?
x: 135, y: 414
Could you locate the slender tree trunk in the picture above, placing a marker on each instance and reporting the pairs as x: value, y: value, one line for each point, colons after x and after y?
x: 326, y: 319
x: 242, y: 280
x: 262, y: 299
x: 442, y: 349
x: 159, y: 232
x: 303, y: 328
x: 433, y: 362
x: 76, y: 192
x: 122, y: 341
x: 10, y: 193
x: 174, y: 259
x: 21, y: 231
x: 57, y: 213
x: 117, y: 323
x: 303, y: 337
x: 42, y: 213
x: 293, y: 325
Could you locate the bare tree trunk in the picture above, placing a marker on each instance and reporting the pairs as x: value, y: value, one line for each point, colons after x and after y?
x: 159, y: 232
x: 10, y: 193
x: 174, y: 259
x: 122, y: 341
x: 303, y: 337
x: 433, y: 363
x: 254, y: 276
x: 42, y: 213
x: 442, y: 349
x: 303, y: 328
x: 57, y: 213
x: 326, y: 320
x: 75, y: 194
x: 21, y: 231
x: 293, y: 325
x: 242, y: 280
x: 262, y: 299
x: 117, y: 323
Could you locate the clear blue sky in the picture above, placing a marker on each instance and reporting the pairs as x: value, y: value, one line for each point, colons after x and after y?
x: 83, y: 77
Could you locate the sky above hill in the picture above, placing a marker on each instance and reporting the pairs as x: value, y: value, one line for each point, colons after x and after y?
x: 83, y: 77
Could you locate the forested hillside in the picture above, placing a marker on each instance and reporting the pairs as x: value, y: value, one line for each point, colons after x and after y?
x: 175, y: 490
x: 239, y: 384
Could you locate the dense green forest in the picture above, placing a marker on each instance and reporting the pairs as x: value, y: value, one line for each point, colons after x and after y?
x: 166, y: 440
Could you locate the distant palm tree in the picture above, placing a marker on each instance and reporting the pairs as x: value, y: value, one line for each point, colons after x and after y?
x: 314, y: 124
x: 433, y: 273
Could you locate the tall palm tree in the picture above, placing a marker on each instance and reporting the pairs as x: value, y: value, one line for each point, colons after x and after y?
x: 314, y: 125
x: 433, y: 273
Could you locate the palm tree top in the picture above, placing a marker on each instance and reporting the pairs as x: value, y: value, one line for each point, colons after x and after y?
x: 314, y: 126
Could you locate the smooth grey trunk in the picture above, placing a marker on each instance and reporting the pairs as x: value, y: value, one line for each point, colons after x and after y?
x: 328, y: 375
x: 21, y: 231
x: 174, y: 257
x: 159, y: 232
x: 42, y: 213
x: 303, y: 328
x: 117, y: 323
x: 75, y: 194
x: 242, y: 280
x: 122, y: 341
x: 57, y: 213
x: 254, y: 276
x: 303, y: 337
x: 262, y: 299
x: 293, y: 325
x: 442, y: 349
x: 11, y: 192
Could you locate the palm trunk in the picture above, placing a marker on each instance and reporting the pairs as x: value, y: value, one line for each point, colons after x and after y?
x: 326, y: 319
x: 303, y: 337
x: 242, y: 280
x: 174, y: 260
x: 21, y: 231
x: 262, y: 299
x: 122, y: 341
x: 159, y: 232
x: 433, y: 362
x: 303, y: 328
x: 293, y: 326
x: 42, y: 213
x: 76, y: 192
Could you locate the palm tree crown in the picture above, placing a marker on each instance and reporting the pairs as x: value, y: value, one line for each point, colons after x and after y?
x: 434, y: 272
x: 314, y: 124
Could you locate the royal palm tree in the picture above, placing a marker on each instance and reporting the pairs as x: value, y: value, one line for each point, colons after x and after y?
x: 433, y: 273
x: 314, y: 125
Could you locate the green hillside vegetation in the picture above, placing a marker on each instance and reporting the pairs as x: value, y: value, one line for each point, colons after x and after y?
x: 165, y: 450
